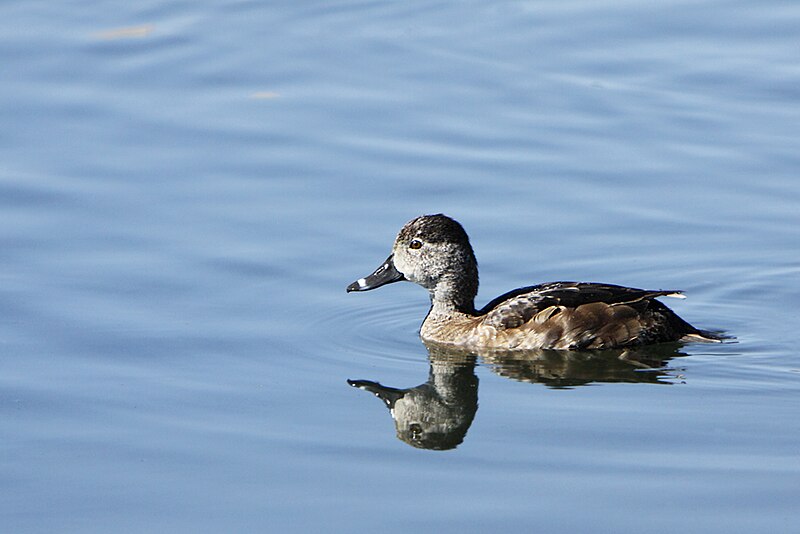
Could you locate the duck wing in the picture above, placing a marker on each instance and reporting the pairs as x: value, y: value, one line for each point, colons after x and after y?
x: 571, y: 295
x: 582, y: 314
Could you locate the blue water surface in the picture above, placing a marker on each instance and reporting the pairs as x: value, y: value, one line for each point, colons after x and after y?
x: 186, y: 188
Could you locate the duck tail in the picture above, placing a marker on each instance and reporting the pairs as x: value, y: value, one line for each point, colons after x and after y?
x: 706, y: 336
x: 692, y: 333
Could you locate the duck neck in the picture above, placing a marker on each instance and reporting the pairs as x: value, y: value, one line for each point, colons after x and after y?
x: 453, y: 296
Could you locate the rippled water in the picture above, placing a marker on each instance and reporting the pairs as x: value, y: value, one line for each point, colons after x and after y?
x: 187, y: 188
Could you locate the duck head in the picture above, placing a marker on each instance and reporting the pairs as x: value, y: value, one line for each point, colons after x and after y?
x: 434, y: 252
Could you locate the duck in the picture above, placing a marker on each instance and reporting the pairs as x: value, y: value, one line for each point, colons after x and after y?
x: 434, y: 251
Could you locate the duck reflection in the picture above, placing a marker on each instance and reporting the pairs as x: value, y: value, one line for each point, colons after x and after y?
x: 437, y: 414
x: 567, y: 369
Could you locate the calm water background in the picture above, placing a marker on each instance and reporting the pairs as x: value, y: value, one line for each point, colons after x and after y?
x: 187, y: 187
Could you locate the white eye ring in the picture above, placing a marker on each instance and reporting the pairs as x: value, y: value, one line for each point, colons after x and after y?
x: 415, y: 244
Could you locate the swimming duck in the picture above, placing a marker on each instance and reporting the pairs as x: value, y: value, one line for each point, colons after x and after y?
x: 434, y: 251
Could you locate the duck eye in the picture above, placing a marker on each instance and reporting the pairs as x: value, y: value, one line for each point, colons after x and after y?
x: 415, y: 244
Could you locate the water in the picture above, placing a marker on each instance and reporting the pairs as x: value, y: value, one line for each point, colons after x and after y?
x: 187, y: 187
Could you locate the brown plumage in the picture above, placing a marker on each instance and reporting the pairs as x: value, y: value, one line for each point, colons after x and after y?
x: 434, y: 252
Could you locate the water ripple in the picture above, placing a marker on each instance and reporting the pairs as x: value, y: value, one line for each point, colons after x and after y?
x: 380, y: 333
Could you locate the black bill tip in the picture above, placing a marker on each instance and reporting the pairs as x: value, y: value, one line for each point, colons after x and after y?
x: 358, y: 285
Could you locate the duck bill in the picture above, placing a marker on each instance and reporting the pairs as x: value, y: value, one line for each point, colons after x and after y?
x: 385, y: 274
